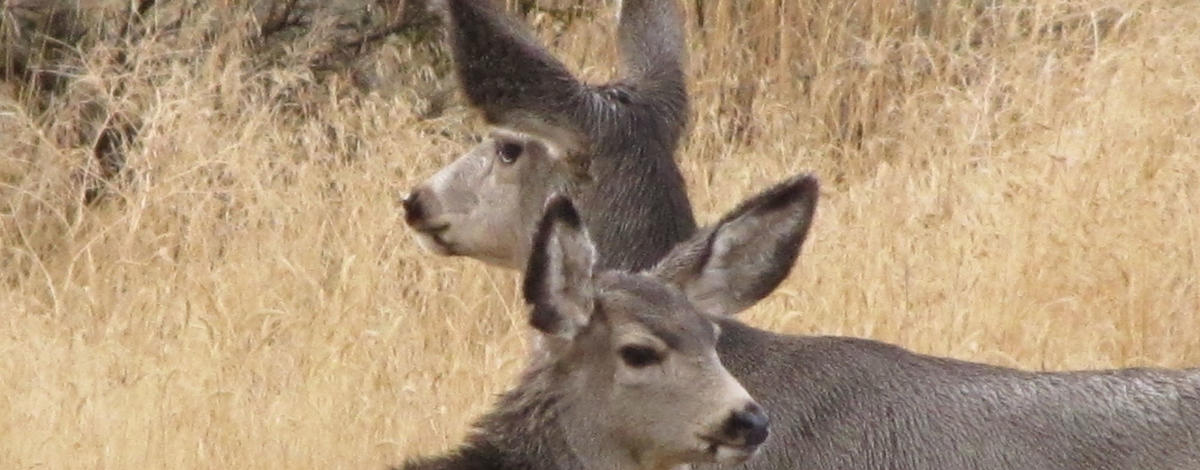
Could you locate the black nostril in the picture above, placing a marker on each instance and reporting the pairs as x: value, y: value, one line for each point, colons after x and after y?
x: 413, y: 212
x: 749, y: 425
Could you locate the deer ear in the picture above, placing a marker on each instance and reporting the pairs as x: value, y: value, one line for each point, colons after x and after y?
x: 653, y: 52
x: 558, y: 280
x: 510, y: 78
x: 650, y: 35
x: 741, y: 259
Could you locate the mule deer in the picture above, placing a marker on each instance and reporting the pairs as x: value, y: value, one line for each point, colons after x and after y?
x: 628, y: 379
x: 609, y: 147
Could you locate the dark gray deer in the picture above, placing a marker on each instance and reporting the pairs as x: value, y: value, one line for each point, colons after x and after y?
x: 609, y: 147
x: 627, y: 379
x: 844, y: 403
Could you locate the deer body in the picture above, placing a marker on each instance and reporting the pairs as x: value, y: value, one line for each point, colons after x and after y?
x: 844, y: 403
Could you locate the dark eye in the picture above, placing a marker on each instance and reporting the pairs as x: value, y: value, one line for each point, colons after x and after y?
x: 508, y: 151
x: 640, y: 356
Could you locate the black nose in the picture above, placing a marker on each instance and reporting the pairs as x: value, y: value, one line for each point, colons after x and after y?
x: 748, y: 425
x: 413, y: 210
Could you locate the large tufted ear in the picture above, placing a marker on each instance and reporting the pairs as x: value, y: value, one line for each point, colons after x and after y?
x: 510, y: 78
x: 558, y: 280
x: 739, y: 260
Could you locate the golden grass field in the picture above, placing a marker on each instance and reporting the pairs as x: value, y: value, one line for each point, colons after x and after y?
x: 1019, y: 186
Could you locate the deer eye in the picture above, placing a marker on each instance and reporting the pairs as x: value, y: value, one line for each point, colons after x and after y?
x: 640, y: 356
x: 508, y: 151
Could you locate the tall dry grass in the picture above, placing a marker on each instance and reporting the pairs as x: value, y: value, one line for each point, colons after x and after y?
x: 1007, y: 182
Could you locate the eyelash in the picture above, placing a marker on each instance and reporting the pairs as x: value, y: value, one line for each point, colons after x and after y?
x: 640, y: 356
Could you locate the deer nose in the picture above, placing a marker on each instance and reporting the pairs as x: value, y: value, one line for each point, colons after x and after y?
x: 413, y: 210
x: 748, y: 425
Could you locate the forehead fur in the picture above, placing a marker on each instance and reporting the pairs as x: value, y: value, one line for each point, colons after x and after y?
x: 659, y: 308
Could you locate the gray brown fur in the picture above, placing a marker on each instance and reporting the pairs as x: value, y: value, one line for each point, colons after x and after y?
x: 858, y: 404
x: 609, y: 147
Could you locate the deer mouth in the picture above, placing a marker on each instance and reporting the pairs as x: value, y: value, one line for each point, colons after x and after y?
x: 724, y: 452
x: 432, y: 238
x: 431, y: 230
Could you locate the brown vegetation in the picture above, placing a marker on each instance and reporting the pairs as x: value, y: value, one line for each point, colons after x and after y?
x: 1010, y: 182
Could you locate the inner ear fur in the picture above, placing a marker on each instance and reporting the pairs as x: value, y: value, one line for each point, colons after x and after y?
x: 748, y: 253
x: 558, y: 280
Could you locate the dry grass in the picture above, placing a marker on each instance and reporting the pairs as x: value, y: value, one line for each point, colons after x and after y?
x: 1010, y: 186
